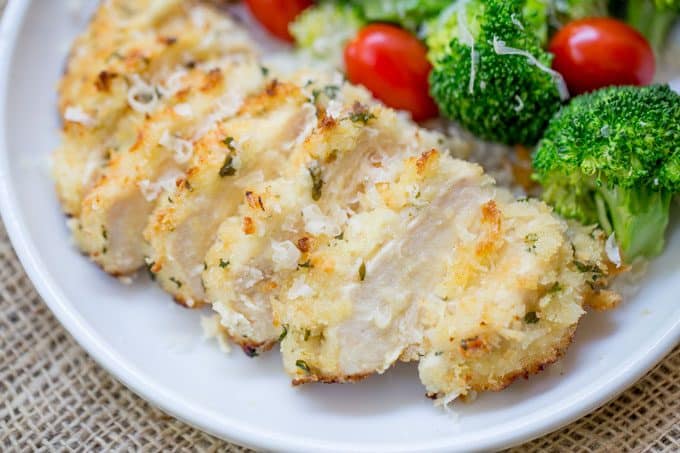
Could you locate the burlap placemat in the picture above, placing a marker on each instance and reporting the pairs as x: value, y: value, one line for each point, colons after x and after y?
x: 54, y: 397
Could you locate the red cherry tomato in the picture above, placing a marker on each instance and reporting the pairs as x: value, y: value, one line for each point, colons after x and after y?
x: 598, y: 52
x: 275, y: 15
x: 392, y: 64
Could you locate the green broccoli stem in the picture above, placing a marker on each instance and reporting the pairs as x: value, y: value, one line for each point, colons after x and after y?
x: 653, y: 23
x: 638, y: 216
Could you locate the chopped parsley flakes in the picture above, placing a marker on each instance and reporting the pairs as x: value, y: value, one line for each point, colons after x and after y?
x: 362, y: 271
x: 317, y: 181
x: 531, y: 318
x: 228, y: 168
x: 302, y: 365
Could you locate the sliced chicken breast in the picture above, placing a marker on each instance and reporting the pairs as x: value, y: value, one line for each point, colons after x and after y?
x: 241, y: 152
x: 295, y: 214
x: 445, y: 267
x: 116, y: 211
x: 120, y: 70
x: 511, y: 308
x: 405, y: 254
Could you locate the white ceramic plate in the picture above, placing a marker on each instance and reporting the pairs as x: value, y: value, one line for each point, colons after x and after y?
x: 156, y: 348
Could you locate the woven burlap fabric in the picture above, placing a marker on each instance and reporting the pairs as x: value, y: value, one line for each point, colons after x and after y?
x: 53, y: 396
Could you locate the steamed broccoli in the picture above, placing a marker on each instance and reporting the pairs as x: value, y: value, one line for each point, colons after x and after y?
x: 408, y: 13
x: 613, y: 157
x: 324, y: 29
x: 490, y: 72
x: 652, y: 18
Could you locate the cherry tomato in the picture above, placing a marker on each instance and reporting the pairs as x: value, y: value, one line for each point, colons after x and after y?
x: 275, y: 15
x: 598, y: 52
x: 392, y: 64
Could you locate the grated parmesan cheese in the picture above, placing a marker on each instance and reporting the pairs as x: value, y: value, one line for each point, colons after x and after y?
x: 466, y: 38
x: 334, y: 109
x: 151, y: 190
x: 310, y: 120
x: 213, y: 329
x: 95, y: 160
x: 182, y: 149
x: 316, y: 223
x: 227, y: 107
x: 611, y: 248
x: 184, y: 110
x: 300, y: 288
x: 78, y: 115
x: 285, y: 255
x: 141, y: 96
x: 516, y: 21
x: 250, y: 277
x: 173, y: 84
x: 501, y: 49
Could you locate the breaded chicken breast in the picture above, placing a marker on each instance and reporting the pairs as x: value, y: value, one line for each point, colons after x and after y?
x: 294, y: 214
x: 443, y: 266
x: 121, y: 69
x: 241, y: 152
x: 116, y: 211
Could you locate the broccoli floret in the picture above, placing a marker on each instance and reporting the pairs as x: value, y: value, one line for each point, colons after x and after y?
x: 613, y: 157
x: 490, y: 72
x: 324, y: 29
x: 409, y: 14
x: 653, y: 18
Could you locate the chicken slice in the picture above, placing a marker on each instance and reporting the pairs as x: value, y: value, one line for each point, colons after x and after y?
x: 443, y: 266
x: 117, y: 209
x: 122, y: 68
x: 296, y: 213
x: 251, y: 147
x: 509, y: 305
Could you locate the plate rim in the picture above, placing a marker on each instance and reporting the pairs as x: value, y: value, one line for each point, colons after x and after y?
x: 233, y: 431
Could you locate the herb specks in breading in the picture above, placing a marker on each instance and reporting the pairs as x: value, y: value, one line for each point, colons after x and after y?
x: 229, y: 143
x: 555, y: 288
x: 176, y: 282
x: 531, y: 317
x: 332, y: 156
x: 530, y: 240
x: 149, y: 267
x: 223, y: 263
x: 471, y: 343
x: 590, y: 268
x: 228, y: 167
x: 362, y: 271
x: 302, y: 365
x: 284, y: 332
x: 360, y: 114
x: 317, y: 182
x: 307, y: 264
